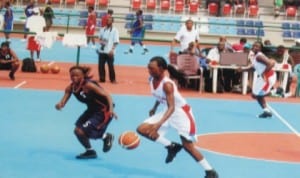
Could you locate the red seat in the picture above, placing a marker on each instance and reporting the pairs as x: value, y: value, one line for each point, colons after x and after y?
x: 212, y: 8
x: 136, y: 4
x: 90, y: 2
x: 194, y: 7
x: 179, y: 6
x: 103, y: 3
x: 151, y: 4
x: 253, y: 11
x: 70, y: 2
x: 165, y: 5
x: 291, y: 11
x: 226, y: 10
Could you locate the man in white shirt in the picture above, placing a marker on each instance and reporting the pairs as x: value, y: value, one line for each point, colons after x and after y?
x: 35, y: 24
x: 185, y: 36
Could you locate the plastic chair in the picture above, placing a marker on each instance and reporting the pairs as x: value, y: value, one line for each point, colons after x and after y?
x: 179, y: 6
x: 212, y: 8
x: 165, y: 5
x: 136, y: 4
x: 285, y: 25
x: 226, y: 11
x: 70, y: 3
x: 253, y: 11
x: 103, y: 3
x: 291, y: 11
x: 297, y: 73
x: 151, y: 4
x: 287, y: 34
x: 190, y: 66
x: 193, y: 7
x: 249, y: 23
x: 90, y: 2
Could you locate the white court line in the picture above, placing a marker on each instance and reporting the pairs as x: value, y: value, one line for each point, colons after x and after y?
x: 20, y: 84
x: 50, y: 63
x: 284, y: 121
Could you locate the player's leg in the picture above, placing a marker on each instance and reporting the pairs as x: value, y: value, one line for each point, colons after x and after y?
x: 189, y: 147
x: 101, y: 66
x: 14, y: 68
x: 172, y: 147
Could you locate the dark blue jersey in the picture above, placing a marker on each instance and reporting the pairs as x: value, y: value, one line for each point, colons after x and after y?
x: 5, y: 55
x: 93, y: 101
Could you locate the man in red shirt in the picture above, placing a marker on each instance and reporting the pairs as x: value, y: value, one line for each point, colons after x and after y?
x: 239, y: 47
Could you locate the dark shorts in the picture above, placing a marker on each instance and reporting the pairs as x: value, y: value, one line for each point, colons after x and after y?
x: 5, y: 66
x: 93, y: 124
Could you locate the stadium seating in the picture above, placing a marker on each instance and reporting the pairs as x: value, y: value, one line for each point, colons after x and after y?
x: 193, y: 7
x: 90, y: 3
x: 151, y: 4
x: 291, y: 11
x: 69, y: 3
x: 226, y: 10
x: 179, y: 6
x: 212, y: 9
x: 136, y: 4
x: 165, y: 5
x: 103, y: 3
x: 253, y: 11
x: 287, y: 34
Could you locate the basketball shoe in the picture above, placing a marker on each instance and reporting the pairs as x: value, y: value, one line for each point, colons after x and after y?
x: 145, y: 51
x: 89, y: 154
x: 265, y: 114
x: 130, y: 51
x: 211, y: 174
x: 173, y: 149
x: 107, y: 142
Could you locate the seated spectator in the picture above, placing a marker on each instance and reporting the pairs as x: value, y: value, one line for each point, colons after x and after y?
x: 278, y: 5
x: 282, y: 57
x: 8, y: 60
x: 239, y: 6
x: 239, y: 47
x: 228, y: 46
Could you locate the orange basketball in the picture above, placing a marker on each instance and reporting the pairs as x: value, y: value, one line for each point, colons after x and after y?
x: 44, y: 68
x: 55, y: 69
x: 129, y: 140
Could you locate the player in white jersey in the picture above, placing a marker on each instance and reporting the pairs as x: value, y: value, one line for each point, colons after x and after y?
x: 265, y: 78
x: 177, y: 114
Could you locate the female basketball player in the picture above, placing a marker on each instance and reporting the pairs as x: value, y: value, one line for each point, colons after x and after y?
x: 177, y: 114
x: 8, y: 60
x: 265, y: 78
x: 93, y: 122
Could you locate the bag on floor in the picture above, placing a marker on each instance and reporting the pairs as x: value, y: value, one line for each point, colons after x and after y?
x: 28, y: 65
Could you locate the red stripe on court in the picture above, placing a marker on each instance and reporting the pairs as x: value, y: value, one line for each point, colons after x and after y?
x: 266, y: 146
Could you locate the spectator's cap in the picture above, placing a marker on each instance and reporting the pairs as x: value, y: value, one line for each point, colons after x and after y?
x: 36, y: 10
x: 247, y: 46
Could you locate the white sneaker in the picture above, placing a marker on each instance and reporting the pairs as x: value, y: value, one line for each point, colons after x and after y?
x: 38, y: 60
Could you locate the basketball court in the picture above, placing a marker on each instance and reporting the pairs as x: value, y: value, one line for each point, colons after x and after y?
x: 37, y: 141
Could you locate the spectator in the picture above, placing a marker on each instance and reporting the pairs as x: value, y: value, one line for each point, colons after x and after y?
x: 288, y: 3
x: 282, y: 57
x: 185, y: 36
x: 228, y: 46
x: 28, y: 12
x: 91, y: 26
x: 109, y: 39
x: 239, y: 6
x: 239, y: 47
x: 8, y: 20
x: 105, y: 17
x: 36, y: 24
x: 48, y: 15
x: 278, y: 5
x: 8, y: 60
x: 137, y: 33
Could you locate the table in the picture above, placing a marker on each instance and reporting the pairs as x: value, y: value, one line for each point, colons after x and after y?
x: 245, y: 77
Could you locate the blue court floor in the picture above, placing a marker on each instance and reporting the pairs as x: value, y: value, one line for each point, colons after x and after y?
x: 37, y: 141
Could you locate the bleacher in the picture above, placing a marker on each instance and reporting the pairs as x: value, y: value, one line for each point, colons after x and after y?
x: 164, y: 19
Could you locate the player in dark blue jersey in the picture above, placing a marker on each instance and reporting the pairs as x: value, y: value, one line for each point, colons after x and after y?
x: 92, y: 124
x: 137, y: 32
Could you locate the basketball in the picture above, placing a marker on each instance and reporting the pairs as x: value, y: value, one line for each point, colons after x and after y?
x: 55, y: 69
x: 129, y: 140
x: 44, y: 68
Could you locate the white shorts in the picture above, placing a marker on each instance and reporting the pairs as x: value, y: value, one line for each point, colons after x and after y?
x: 262, y: 87
x: 182, y: 120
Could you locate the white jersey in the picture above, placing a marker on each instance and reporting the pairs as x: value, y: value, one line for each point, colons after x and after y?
x: 160, y: 95
x: 258, y: 66
x: 185, y: 37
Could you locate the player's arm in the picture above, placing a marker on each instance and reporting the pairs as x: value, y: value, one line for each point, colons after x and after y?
x: 65, y: 98
x: 169, y: 91
x: 14, y: 55
x: 100, y: 91
x: 269, y: 63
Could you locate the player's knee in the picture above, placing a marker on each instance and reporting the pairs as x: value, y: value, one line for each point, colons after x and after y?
x: 254, y: 96
x: 78, y: 131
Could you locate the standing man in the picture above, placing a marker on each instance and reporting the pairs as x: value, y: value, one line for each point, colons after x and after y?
x: 109, y: 39
x: 8, y: 60
x: 36, y: 24
x: 137, y: 33
x: 48, y: 15
x: 265, y: 78
x: 91, y: 26
x: 8, y: 20
x: 176, y: 114
x: 185, y: 36
x: 28, y: 12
